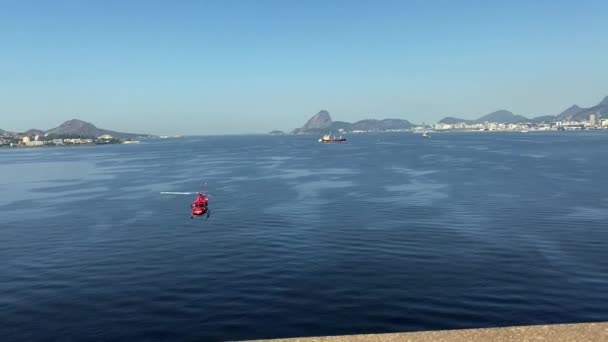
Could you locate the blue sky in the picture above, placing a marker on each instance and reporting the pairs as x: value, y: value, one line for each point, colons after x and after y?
x: 214, y: 67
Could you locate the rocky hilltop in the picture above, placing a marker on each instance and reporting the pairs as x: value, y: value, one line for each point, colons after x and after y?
x: 576, y: 113
x: 322, y: 123
x: 81, y: 128
x: 34, y: 132
x: 572, y: 113
x: 503, y: 116
x: 75, y: 128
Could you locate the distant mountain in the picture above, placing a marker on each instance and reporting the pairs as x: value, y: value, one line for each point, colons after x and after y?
x: 601, y: 109
x: 322, y: 123
x: 276, y: 132
x: 543, y: 119
x: 81, y: 128
x: 503, y: 116
x: 452, y: 121
x: 573, y: 113
x: 30, y: 133
x: 76, y: 127
x: 33, y: 132
x: 381, y: 125
x: 569, y: 113
x: 576, y: 113
x: 341, y: 125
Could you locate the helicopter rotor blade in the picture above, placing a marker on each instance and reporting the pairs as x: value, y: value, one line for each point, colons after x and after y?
x: 177, y: 193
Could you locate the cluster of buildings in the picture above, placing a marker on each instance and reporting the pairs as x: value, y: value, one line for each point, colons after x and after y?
x: 21, y: 140
x: 594, y: 122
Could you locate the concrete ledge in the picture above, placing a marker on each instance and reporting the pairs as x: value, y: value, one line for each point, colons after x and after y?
x: 583, y: 332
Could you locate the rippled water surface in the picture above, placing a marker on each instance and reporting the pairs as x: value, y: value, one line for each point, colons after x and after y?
x: 385, y: 233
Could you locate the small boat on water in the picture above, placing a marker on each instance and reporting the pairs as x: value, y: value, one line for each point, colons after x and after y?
x: 328, y: 138
x: 425, y: 135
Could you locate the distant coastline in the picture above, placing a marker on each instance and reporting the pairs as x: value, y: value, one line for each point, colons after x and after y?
x: 76, y: 132
x: 71, y: 133
x: 573, y: 118
x: 321, y: 123
x: 62, y: 142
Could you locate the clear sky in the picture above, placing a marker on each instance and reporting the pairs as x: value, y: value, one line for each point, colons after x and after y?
x: 214, y: 67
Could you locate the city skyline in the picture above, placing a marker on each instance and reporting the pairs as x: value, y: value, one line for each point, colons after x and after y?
x: 238, y: 67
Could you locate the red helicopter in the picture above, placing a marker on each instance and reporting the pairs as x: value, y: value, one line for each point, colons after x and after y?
x: 200, y: 205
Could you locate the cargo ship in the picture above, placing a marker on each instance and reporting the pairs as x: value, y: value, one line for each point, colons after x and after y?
x: 328, y: 138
